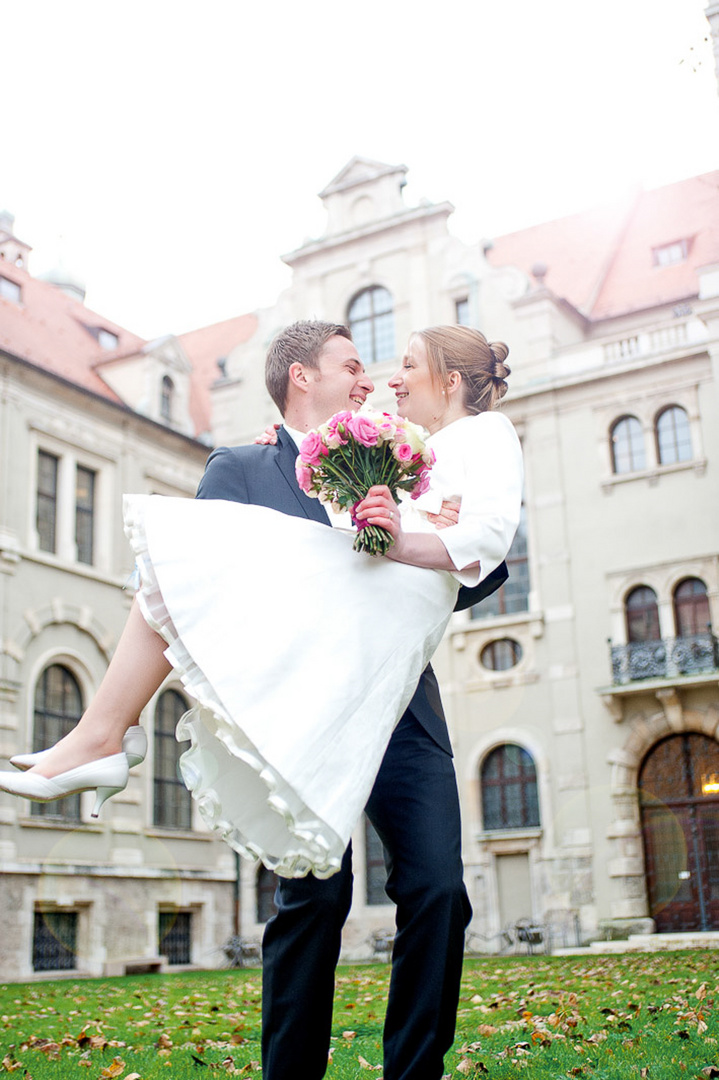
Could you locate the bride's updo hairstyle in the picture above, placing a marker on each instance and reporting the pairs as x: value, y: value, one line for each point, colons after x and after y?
x: 480, y: 363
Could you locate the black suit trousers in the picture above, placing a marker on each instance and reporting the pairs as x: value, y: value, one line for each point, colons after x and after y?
x: 415, y: 809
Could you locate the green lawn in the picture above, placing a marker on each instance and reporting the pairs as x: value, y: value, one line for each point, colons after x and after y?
x: 648, y: 1015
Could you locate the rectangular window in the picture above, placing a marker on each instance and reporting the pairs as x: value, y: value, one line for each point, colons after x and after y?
x: 513, y: 596
x: 461, y: 310
x: 671, y: 254
x: 175, y: 936
x: 84, y: 513
x: 10, y: 290
x: 54, y: 941
x: 47, y: 469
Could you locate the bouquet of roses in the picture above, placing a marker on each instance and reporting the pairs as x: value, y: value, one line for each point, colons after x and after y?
x: 341, y: 460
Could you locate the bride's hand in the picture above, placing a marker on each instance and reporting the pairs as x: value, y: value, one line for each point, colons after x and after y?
x: 268, y: 436
x: 379, y: 508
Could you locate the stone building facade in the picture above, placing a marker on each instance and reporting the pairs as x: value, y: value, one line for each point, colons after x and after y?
x: 582, y: 699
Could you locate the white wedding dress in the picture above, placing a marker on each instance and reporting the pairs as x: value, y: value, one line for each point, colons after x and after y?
x: 303, y: 654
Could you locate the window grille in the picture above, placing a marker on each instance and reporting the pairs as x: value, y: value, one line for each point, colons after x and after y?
x: 175, y: 936
x: 54, y: 941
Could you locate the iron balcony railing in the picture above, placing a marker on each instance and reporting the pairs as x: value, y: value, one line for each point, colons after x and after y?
x: 666, y: 658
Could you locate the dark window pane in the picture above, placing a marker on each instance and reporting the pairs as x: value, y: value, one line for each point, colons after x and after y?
x: 628, y: 453
x: 371, y: 320
x: 673, y: 436
x: 84, y: 514
x: 461, y: 311
x: 175, y: 936
x: 508, y: 783
x: 172, y: 803
x: 47, y: 467
x: 642, y: 615
x: 691, y: 608
x: 58, y: 707
x: 54, y: 941
x: 513, y: 596
x: 167, y: 394
x: 501, y: 655
x: 266, y: 887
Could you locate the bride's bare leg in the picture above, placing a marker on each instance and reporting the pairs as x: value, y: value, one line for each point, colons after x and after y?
x: 137, y: 669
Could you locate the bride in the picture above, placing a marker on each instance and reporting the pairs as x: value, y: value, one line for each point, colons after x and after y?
x: 301, y: 654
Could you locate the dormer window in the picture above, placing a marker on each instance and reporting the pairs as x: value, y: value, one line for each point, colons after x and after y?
x: 671, y: 254
x: 107, y: 339
x: 167, y: 392
x: 10, y: 290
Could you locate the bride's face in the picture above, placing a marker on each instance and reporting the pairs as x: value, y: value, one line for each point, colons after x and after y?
x: 419, y: 395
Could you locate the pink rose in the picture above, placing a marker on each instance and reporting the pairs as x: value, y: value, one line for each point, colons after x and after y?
x: 422, y: 483
x: 312, y: 448
x: 363, y: 430
x: 339, y: 418
x: 304, y: 475
x: 403, y: 452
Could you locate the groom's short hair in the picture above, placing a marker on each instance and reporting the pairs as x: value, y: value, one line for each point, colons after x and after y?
x: 299, y: 343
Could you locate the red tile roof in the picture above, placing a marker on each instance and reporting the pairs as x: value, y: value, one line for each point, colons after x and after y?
x: 204, y: 347
x: 50, y: 329
x: 601, y: 261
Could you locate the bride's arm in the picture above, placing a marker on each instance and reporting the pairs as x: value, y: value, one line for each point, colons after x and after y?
x: 418, y: 549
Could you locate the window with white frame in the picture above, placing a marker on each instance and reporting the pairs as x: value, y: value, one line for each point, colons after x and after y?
x: 172, y: 802
x: 627, y: 440
x: 66, y: 521
x: 371, y: 319
x: 674, y: 441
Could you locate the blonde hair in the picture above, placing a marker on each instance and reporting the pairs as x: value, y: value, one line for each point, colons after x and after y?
x: 479, y: 362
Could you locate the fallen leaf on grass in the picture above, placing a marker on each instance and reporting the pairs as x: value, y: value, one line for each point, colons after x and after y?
x: 164, y: 1042
x: 116, y: 1068
x: 364, y: 1064
x: 10, y: 1063
x: 133, y: 1076
x: 710, y: 1071
x: 701, y: 992
x: 348, y: 1034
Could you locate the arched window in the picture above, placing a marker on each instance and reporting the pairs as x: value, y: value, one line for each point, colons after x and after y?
x: 508, y: 781
x: 674, y: 442
x: 167, y: 394
x: 265, y: 894
x: 375, y: 869
x: 371, y: 320
x: 642, y: 614
x: 628, y: 453
x: 502, y: 654
x: 172, y: 802
x: 691, y: 608
x: 58, y: 707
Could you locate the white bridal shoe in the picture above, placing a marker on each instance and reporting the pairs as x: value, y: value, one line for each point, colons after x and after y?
x: 134, y: 745
x: 106, y: 777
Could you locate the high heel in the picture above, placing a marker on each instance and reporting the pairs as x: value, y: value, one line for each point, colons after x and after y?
x: 106, y: 777
x: 134, y: 746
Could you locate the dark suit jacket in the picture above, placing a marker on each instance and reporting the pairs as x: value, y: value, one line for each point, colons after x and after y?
x: 265, y: 476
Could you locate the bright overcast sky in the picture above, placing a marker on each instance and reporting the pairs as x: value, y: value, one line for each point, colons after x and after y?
x: 169, y: 152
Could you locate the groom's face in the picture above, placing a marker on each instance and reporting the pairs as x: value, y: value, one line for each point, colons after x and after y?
x: 339, y: 381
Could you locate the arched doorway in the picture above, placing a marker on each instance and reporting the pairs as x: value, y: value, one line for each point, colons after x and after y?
x: 679, y: 802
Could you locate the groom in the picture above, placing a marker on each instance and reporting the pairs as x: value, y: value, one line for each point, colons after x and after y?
x: 312, y: 371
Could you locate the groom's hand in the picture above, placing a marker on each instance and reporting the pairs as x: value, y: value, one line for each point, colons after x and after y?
x: 448, y: 514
